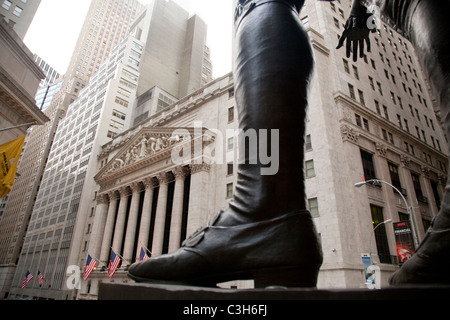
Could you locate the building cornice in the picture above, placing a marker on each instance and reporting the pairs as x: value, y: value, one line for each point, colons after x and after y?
x: 17, y: 98
x: 353, y: 133
x: 20, y: 50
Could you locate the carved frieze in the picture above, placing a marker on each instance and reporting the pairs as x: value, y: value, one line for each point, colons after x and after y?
x: 349, y: 134
x: 381, y: 149
x: 405, y: 161
x: 145, y: 146
x: 425, y: 170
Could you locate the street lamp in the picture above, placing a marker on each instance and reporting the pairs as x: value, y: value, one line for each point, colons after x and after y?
x: 408, y: 208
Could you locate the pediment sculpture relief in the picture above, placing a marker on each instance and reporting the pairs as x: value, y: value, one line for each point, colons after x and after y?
x: 143, y: 147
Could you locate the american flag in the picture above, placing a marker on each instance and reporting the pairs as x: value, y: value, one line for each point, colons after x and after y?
x: 143, y: 256
x: 41, y: 278
x: 27, y: 279
x: 90, y: 265
x: 113, y: 264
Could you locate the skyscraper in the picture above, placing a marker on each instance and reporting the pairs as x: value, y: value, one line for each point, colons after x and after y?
x: 104, y: 109
x: 104, y: 27
x: 51, y: 75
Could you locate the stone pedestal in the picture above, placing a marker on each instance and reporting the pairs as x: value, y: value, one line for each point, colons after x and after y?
x: 165, y: 292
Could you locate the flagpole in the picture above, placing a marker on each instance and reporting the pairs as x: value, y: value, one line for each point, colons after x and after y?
x: 98, y: 260
x: 120, y: 256
x: 22, y: 125
x: 148, y: 251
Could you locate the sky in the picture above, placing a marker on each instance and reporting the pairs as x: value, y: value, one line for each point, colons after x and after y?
x: 55, y: 28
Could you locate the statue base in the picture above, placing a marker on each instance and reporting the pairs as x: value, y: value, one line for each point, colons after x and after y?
x: 180, y: 302
x: 158, y: 292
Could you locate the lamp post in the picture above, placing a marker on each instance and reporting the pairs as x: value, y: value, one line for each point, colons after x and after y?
x: 408, y: 208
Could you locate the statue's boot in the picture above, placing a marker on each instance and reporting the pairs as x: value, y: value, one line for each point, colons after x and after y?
x: 427, y: 24
x: 266, y: 234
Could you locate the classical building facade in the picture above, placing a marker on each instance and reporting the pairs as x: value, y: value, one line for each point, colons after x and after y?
x: 161, y: 180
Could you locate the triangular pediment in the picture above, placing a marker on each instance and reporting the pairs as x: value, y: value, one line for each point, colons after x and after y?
x: 145, y: 147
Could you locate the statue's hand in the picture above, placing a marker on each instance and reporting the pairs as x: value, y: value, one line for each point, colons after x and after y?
x: 356, y: 32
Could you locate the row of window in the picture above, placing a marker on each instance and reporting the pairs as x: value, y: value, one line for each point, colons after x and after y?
x: 402, y: 122
x: 17, y: 10
x: 370, y: 173
x: 408, y: 147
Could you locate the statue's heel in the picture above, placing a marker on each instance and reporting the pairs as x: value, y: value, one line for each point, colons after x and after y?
x: 290, y: 277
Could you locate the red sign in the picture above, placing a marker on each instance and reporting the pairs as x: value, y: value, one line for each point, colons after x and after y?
x: 404, y: 240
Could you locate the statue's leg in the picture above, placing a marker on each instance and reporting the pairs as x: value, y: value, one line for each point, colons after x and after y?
x: 266, y: 234
x: 428, y: 30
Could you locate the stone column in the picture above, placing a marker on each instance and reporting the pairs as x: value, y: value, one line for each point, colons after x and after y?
x: 146, y: 216
x: 180, y: 175
x: 160, y: 219
x: 98, y: 227
x: 198, y: 198
x: 130, y: 235
x: 411, y: 195
x: 120, y: 223
x: 109, y: 227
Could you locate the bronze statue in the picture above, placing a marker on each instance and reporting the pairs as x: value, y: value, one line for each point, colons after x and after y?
x: 267, y: 234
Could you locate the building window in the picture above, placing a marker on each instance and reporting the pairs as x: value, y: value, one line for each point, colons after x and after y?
x: 305, y: 22
x: 386, y: 112
x: 230, y: 169
x: 346, y: 68
x: 437, y: 198
x: 230, y: 144
x: 133, y: 62
x: 231, y: 114
x: 380, y: 234
x: 313, y: 205
x: 351, y: 90
x: 310, y: 169
x: 355, y: 72
x: 366, y: 124
x: 229, y: 190
x: 308, y: 144
x: 6, y: 5
x: 372, y: 85
x: 377, y: 107
x: 358, y: 120
x: 122, y: 102
x: 395, y: 178
x: 120, y: 115
x: 336, y: 23
x: 361, y: 97
x: 17, y: 11
x: 368, y: 166
x: 418, y: 188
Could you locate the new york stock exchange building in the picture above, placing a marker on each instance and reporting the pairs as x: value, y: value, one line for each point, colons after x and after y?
x: 160, y: 181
